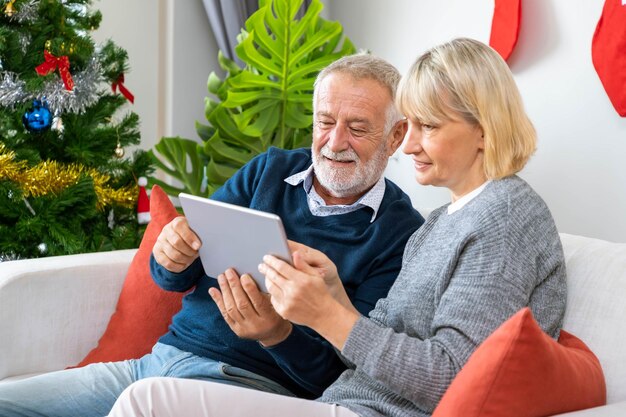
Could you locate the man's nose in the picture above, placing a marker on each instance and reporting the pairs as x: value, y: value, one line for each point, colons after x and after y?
x: 338, y: 140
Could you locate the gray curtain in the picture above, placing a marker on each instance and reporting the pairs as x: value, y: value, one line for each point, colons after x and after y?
x: 227, y: 17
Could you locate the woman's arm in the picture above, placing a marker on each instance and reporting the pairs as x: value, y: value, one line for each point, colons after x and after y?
x: 304, y: 295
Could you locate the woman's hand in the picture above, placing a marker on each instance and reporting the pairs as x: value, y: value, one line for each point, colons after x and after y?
x: 300, y: 294
x: 312, y: 261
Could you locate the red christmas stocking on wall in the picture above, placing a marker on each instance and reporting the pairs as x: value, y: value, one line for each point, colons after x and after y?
x: 608, y: 52
x: 507, y: 15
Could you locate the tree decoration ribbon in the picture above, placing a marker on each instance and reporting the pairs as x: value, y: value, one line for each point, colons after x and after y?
x: 51, y: 177
x: 51, y: 63
x: 120, y: 83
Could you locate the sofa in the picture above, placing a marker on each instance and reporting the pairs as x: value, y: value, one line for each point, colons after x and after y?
x: 54, y: 310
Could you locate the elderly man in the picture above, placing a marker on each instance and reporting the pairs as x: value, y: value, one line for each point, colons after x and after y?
x: 332, y: 197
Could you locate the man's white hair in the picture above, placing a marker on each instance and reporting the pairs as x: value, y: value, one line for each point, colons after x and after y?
x: 366, y: 66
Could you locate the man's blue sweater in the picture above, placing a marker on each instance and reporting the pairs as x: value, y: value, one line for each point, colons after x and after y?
x: 368, y: 256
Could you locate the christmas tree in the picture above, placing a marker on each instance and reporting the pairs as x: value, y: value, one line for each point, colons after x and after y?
x: 66, y: 185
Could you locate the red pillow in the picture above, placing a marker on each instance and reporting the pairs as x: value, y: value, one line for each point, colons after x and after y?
x: 521, y: 371
x: 144, y: 311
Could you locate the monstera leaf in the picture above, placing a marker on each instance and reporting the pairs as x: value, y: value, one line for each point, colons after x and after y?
x: 266, y: 103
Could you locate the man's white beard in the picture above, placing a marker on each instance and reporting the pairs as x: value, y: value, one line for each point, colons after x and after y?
x: 350, y: 180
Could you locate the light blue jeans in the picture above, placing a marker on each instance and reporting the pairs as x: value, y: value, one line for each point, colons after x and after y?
x: 92, y: 390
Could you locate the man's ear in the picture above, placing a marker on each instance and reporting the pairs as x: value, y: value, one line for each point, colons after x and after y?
x: 397, y: 136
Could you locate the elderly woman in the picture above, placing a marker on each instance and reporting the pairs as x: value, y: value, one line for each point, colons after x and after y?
x: 474, y: 263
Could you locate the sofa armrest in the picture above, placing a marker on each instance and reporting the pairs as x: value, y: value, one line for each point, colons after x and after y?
x: 54, y: 310
x: 610, y: 410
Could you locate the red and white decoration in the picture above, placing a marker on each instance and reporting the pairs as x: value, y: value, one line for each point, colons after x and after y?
x: 143, y: 202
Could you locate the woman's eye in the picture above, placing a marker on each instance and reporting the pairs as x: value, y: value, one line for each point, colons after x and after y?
x: 427, y: 127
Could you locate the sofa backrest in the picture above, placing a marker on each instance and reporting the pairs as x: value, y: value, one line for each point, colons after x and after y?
x: 596, y: 304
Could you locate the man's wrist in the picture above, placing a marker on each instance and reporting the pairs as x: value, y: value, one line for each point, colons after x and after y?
x: 279, y: 335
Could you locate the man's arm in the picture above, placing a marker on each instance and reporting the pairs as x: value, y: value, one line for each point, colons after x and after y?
x: 172, y: 281
x: 174, y: 264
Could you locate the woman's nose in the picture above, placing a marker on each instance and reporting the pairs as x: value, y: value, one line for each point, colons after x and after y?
x: 412, y: 140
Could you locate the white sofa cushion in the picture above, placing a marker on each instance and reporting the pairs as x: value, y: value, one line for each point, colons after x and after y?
x: 596, y: 304
x: 53, y: 310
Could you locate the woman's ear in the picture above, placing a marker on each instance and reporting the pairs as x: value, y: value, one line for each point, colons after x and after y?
x: 397, y: 136
x: 481, y: 142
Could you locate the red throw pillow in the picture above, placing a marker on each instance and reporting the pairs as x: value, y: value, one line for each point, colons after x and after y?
x: 521, y: 371
x: 144, y: 311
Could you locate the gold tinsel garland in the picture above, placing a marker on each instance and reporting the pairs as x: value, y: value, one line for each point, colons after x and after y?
x: 52, y: 177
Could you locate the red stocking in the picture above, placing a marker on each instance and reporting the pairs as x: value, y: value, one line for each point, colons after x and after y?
x: 507, y: 15
x: 608, y: 51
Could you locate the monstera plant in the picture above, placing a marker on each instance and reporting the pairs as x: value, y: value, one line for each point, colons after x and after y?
x: 266, y: 103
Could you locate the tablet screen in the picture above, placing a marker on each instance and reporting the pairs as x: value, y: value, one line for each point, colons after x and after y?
x: 234, y: 236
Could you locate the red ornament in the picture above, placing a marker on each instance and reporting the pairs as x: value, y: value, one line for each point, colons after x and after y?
x: 120, y: 83
x: 507, y: 15
x: 143, y: 202
x: 608, y: 52
x: 51, y: 63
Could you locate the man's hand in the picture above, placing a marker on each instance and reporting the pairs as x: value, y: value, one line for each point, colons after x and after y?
x: 248, y: 312
x: 177, y: 246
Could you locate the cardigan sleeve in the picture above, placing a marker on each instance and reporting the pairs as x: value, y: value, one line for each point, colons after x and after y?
x: 481, y: 293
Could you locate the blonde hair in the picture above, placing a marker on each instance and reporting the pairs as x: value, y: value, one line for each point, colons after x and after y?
x: 365, y: 66
x: 466, y: 78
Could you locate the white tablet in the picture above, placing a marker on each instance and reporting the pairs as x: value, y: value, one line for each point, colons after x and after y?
x: 234, y: 237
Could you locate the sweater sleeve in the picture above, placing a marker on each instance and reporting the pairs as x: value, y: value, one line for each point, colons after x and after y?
x: 478, y: 296
x: 172, y: 281
x: 239, y: 189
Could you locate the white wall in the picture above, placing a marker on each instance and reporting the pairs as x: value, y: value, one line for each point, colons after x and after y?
x: 193, y: 53
x: 580, y: 165
x: 134, y: 26
x: 171, y: 52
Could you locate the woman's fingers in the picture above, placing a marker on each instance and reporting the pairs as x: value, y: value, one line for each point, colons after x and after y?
x: 274, y: 284
x: 301, y: 264
x: 281, y: 267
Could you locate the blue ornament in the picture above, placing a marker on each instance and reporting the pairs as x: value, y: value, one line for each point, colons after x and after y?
x: 38, y: 119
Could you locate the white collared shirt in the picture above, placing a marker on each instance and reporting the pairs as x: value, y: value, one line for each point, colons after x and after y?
x: 372, y: 199
x: 461, y: 202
